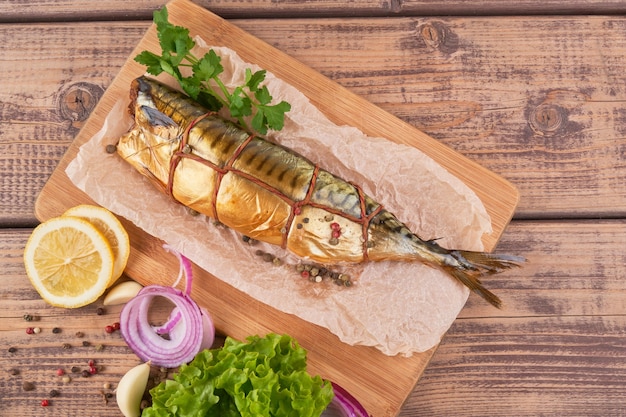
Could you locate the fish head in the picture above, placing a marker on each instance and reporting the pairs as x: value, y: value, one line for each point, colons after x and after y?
x: 155, y: 137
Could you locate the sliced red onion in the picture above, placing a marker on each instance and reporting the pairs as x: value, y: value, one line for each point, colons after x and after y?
x: 344, y: 405
x: 188, y: 328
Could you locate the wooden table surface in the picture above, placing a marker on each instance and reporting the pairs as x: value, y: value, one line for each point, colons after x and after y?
x: 533, y: 90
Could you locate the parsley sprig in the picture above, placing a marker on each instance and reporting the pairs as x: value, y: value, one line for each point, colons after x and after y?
x: 205, y: 86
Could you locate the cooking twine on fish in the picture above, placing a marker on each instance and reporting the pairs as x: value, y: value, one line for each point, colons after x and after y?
x: 186, y: 151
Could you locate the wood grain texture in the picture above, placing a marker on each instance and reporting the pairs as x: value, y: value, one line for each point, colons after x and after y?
x: 76, y: 10
x: 53, y: 77
x: 536, y: 100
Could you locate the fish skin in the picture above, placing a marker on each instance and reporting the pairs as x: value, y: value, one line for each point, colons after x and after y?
x: 270, y: 193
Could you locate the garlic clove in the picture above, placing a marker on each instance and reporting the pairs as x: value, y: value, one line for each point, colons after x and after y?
x: 121, y: 293
x: 131, y: 388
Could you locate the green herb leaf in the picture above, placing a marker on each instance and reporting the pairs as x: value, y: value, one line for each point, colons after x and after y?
x: 204, y: 85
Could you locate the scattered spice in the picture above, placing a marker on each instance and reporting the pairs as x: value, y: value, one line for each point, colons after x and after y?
x: 53, y: 393
x: 109, y: 329
x: 67, y: 379
x: 85, y: 374
x: 86, y: 343
x: 14, y: 371
x: 67, y: 346
x: 60, y: 372
x: 28, y: 386
x: 110, y: 148
x: 45, y: 403
x: 30, y: 330
x: 79, y: 334
x: 56, y: 330
x: 106, y: 385
x: 99, y: 348
x: 12, y: 349
x: 100, y: 311
x: 36, y: 330
x: 75, y: 369
x: 29, y: 317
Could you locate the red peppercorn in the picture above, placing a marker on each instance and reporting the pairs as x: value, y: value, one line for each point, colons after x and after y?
x: 336, y: 233
x: 116, y: 326
x: 109, y: 329
x: 335, y: 226
x: 60, y: 372
x: 91, y: 363
x: 30, y: 330
x: 305, y: 274
x: 297, y: 210
x: 93, y: 370
x: 45, y: 403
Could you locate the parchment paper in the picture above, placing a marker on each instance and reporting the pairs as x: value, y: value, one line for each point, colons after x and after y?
x: 397, y: 308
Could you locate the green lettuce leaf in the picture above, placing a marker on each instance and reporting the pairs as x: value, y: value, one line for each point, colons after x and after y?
x: 265, y: 376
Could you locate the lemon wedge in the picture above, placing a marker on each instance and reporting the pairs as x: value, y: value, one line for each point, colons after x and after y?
x: 68, y: 261
x: 111, y: 228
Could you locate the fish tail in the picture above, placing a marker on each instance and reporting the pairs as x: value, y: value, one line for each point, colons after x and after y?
x: 468, y: 267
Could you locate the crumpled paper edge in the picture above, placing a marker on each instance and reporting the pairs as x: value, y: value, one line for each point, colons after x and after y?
x: 399, y: 308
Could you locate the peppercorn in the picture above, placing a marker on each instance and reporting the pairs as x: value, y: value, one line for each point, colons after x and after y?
x: 79, y: 334
x: 116, y: 325
x: 28, y: 386
x: 45, y: 403
x: 36, y: 330
x: 305, y: 274
x: 86, y: 343
x: 53, y: 393
x: 277, y: 261
x: 14, y: 371
x: 110, y: 148
x: 56, y: 330
x: 12, y: 349
x: 60, y: 372
x: 99, y: 348
x: 268, y: 257
x: 100, y: 311
x: 75, y: 369
x: 67, y: 346
x: 30, y: 330
x: 67, y: 379
x: 85, y: 374
x: 28, y: 317
x: 109, y: 329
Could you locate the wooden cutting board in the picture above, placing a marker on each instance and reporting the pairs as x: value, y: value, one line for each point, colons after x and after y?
x: 380, y: 382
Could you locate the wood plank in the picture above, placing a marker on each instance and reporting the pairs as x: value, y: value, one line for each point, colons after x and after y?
x: 574, y: 269
x: 557, y: 135
x: 568, y: 361
x: 557, y: 366
x: 44, y: 101
x: 77, y: 10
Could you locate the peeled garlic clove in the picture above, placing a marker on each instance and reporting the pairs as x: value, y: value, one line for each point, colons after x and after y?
x: 131, y: 388
x: 121, y: 293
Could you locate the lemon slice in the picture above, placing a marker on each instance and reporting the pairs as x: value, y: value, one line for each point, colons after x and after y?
x: 68, y: 261
x: 111, y: 228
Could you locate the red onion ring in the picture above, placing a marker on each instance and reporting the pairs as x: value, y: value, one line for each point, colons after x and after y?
x: 188, y: 328
x: 344, y: 405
